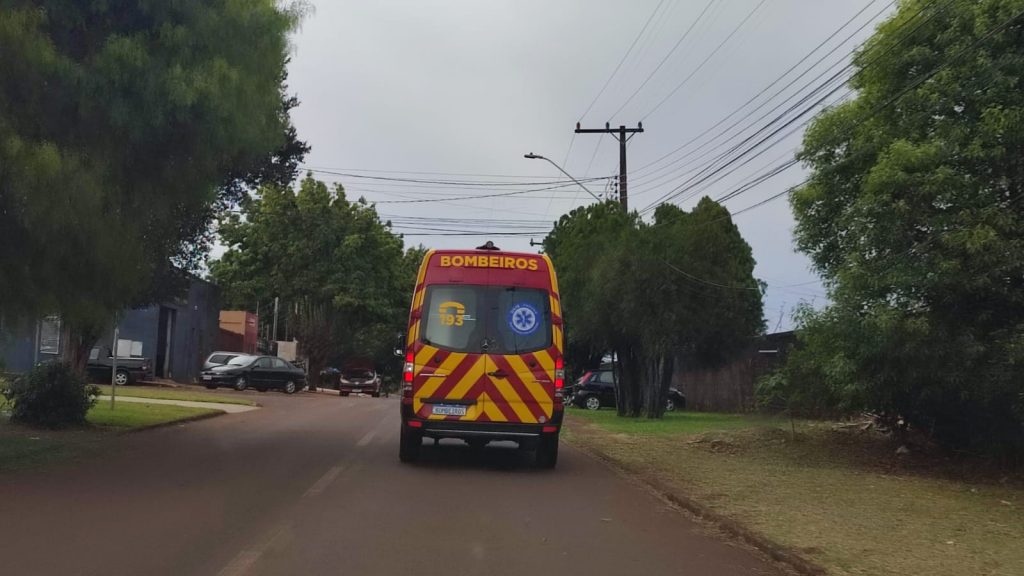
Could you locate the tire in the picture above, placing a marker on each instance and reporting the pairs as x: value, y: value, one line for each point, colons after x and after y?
x: 376, y: 394
x: 592, y: 403
x: 241, y: 383
x: 121, y: 378
x: 547, y: 452
x: 670, y: 405
x: 289, y: 387
x: 211, y: 387
x: 344, y: 394
x: 409, y: 445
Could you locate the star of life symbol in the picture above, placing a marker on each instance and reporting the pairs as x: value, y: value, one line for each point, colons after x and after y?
x: 523, y: 319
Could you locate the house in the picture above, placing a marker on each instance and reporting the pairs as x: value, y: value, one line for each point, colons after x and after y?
x: 177, y: 335
x: 24, y: 345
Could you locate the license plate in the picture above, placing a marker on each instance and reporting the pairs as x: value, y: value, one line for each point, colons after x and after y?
x: 207, y: 377
x: 449, y: 410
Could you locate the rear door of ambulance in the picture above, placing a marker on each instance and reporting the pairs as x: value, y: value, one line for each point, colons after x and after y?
x: 449, y: 364
x: 521, y: 366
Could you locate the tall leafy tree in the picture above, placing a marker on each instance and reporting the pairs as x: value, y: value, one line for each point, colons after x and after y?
x: 681, y: 287
x: 914, y: 215
x: 339, y: 271
x: 119, y: 122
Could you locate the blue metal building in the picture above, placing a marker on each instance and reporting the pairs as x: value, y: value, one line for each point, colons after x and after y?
x: 177, y: 336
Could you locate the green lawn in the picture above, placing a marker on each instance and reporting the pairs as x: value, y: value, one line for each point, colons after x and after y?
x: 674, y: 422
x: 137, y: 414
x: 23, y: 448
x: 842, y: 499
x: 176, y: 394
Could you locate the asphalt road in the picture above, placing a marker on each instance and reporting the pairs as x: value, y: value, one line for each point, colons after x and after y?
x: 311, y: 484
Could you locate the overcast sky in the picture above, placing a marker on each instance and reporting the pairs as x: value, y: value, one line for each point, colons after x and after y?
x: 460, y: 90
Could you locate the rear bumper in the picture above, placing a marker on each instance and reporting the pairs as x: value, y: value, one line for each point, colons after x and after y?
x: 482, y: 430
x: 353, y: 389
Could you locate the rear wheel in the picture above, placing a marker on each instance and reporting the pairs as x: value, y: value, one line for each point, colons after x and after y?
x: 670, y: 405
x: 547, y: 451
x: 121, y: 377
x: 376, y: 394
x: 410, y: 444
x: 211, y: 386
x: 344, y: 393
x: 592, y: 403
x: 289, y: 387
x: 241, y: 383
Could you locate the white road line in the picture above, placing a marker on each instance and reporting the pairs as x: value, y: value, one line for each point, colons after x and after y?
x: 245, y: 559
x: 324, y: 481
x: 241, y: 563
x: 367, y: 438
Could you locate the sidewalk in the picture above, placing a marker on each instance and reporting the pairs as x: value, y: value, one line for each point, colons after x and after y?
x: 228, y: 408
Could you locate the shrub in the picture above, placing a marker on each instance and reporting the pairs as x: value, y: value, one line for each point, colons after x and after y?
x: 51, y: 395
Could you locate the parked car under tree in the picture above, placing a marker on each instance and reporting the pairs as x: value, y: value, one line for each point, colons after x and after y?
x: 129, y: 370
x: 596, y: 389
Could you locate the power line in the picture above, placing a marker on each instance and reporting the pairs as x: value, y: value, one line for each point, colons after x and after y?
x: 704, y: 175
x: 665, y: 59
x: 792, y: 107
x: 445, y: 182
x: 619, y: 65
x: 706, y: 59
x: 779, y: 79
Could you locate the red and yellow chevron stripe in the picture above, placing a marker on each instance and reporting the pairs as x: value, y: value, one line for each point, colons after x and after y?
x: 494, y: 388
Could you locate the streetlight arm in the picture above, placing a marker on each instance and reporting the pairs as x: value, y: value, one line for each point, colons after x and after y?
x: 533, y: 156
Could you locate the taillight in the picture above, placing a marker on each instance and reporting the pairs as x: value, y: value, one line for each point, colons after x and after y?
x: 559, y: 377
x: 407, y: 372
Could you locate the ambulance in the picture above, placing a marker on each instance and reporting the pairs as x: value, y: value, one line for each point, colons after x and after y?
x: 483, y: 353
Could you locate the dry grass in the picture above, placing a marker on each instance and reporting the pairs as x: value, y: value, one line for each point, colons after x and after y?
x: 842, y: 499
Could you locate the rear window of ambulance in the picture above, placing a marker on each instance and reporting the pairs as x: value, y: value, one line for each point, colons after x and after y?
x: 492, y: 319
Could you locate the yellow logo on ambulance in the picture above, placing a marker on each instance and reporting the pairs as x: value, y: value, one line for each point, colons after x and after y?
x: 474, y: 261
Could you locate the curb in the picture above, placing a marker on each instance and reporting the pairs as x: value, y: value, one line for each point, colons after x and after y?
x: 185, y: 420
x: 734, y: 529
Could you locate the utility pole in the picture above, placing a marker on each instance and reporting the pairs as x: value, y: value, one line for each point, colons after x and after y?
x: 275, y: 320
x: 113, y: 367
x: 619, y: 134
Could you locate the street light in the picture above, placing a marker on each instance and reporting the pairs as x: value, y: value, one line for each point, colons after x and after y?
x: 533, y: 156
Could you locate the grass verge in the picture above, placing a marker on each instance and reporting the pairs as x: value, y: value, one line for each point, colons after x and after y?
x: 129, y: 415
x: 838, y: 498
x: 23, y: 448
x: 175, y: 394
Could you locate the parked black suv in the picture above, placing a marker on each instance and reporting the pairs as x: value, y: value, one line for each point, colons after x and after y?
x: 596, y: 390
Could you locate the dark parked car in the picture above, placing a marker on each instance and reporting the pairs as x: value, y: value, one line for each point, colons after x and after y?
x: 596, y: 390
x: 129, y: 370
x: 259, y: 372
x: 220, y: 359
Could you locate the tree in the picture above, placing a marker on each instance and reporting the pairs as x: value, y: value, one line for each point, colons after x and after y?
x: 680, y: 287
x: 340, y: 272
x: 913, y: 216
x: 118, y: 123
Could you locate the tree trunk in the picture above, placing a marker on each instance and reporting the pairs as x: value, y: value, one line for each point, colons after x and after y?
x: 78, y: 341
x: 657, y: 379
x: 628, y: 389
